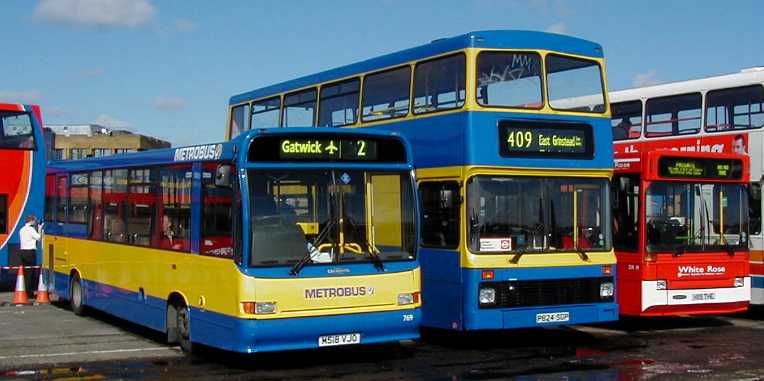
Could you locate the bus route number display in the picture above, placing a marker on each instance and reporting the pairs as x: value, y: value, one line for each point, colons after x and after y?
x: 327, y: 149
x: 688, y: 167
x: 539, y: 139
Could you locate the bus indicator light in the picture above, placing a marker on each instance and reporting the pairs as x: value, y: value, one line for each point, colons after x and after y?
x: 607, y: 270
x: 488, y: 275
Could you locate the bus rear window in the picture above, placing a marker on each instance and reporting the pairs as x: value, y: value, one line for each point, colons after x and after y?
x: 509, y: 79
x: 740, y: 108
x: 574, y: 84
x: 16, y: 129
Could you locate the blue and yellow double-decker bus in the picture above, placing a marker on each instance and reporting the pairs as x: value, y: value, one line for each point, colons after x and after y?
x: 276, y: 240
x: 513, y: 153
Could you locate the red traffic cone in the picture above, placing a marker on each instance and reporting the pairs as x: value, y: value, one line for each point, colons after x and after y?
x: 20, y: 294
x: 42, y: 291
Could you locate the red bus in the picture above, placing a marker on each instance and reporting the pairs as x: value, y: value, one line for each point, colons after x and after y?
x: 22, y: 174
x: 680, y: 231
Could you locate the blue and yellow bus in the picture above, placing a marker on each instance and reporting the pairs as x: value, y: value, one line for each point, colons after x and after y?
x: 276, y: 240
x: 513, y: 152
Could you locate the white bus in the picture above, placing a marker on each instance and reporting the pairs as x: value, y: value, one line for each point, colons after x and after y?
x: 723, y: 113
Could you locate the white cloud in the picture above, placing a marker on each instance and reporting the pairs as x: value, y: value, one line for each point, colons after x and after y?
x: 184, y: 25
x: 646, y: 79
x: 25, y: 96
x: 53, y: 111
x: 112, y: 122
x: 559, y: 28
x: 169, y: 103
x: 92, y: 73
x: 114, y: 13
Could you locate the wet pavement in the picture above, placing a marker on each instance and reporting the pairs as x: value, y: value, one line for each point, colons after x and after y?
x: 101, y: 347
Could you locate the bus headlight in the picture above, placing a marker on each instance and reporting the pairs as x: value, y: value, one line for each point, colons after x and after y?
x: 487, y: 295
x: 739, y: 282
x: 407, y: 298
x: 265, y: 308
x: 606, y: 290
x: 660, y: 285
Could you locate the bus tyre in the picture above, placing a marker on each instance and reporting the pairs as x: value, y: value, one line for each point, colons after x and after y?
x: 183, y: 324
x: 75, y: 296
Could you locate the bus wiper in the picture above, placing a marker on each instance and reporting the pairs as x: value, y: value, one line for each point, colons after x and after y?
x: 677, y: 250
x: 581, y: 253
x: 375, y: 259
x: 312, y: 248
x: 516, y: 258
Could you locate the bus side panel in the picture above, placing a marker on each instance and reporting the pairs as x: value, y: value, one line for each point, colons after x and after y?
x: 441, y: 288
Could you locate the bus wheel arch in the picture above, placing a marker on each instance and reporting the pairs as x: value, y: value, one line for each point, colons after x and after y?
x: 76, y: 293
x: 179, y: 322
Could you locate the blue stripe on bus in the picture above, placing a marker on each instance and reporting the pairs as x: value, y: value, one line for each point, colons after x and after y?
x: 757, y: 281
x: 247, y: 335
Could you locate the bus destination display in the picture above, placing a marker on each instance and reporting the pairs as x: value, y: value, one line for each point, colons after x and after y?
x: 328, y: 149
x: 533, y: 138
x: 687, y: 167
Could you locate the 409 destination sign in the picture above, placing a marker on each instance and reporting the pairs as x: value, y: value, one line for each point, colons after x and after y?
x: 544, y: 139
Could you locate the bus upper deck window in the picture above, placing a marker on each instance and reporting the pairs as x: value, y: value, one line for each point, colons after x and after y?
x: 386, y: 94
x: 339, y: 103
x: 439, y: 84
x: 739, y: 108
x: 265, y: 113
x: 626, y: 120
x: 574, y: 84
x: 238, y: 120
x: 509, y: 79
x: 16, y: 130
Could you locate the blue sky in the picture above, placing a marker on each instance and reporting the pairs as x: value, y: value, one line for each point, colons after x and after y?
x: 167, y: 68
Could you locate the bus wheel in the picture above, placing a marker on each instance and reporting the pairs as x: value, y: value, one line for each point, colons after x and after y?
x: 75, y: 296
x: 183, y: 324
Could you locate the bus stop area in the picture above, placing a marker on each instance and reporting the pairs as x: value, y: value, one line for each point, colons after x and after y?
x: 49, y: 342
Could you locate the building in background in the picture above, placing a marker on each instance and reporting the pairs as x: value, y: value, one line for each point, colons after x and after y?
x: 78, y: 141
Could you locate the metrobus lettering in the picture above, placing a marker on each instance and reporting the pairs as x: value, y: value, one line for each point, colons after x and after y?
x: 337, y: 292
x: 288, y: 146
x: 205, y: 152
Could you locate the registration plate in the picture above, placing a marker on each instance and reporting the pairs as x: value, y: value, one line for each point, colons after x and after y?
x: 552, y: 317
x: 341, y: 339
x: 703, y: 296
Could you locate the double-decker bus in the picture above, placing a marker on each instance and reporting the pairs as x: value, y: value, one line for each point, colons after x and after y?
x: 22, y: 164
x: 680, y: 230
x: 719, y: 114
x: 513, y: 153
x: 276, y: 240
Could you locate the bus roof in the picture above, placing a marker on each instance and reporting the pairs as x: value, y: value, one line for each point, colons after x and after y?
x: 497, y: 39
x: 743, y: 77
x: 217, y: 152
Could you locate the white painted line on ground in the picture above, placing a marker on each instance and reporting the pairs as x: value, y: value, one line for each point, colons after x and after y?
x: 108, y: 351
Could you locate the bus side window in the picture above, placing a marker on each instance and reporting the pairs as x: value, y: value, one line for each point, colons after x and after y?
x: 440, y: 203
x: 754, y: 205
x: 61, y: 200
x: 174, y: 217
x: 50, y: 197
x: 114, y: 200
x: 300, y: 108
x: 141, y: 204
x: 78, y: 198
x: 96, y: 206
x: 217, y: 220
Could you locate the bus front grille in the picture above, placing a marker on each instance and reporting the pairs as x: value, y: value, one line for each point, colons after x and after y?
x: 532, y: 293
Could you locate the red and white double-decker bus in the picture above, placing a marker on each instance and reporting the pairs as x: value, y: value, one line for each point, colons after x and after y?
x: 22, y: 174
x: 718, y: 114
x: 680, y: 230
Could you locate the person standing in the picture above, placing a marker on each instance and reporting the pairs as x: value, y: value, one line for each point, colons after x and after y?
x: 28, y: 237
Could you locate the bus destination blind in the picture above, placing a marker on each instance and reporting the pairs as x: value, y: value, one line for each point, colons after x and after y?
x: 700, y: 168
x: 535, y: 139
x: 327, y: 149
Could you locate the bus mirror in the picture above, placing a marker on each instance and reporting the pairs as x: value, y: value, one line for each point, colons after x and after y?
x: 223, y: 176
